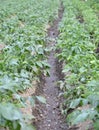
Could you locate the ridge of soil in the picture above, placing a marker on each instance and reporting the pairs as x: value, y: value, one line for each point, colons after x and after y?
x: 48, y: 116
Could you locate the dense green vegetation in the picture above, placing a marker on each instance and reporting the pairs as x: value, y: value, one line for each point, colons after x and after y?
x: 22, y: 41
x: 23, y: 32
x: 78, y: 40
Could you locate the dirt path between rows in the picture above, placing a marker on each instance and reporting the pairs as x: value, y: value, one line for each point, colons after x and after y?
x: 50, y: 117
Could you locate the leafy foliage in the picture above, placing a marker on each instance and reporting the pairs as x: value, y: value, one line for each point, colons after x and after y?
x: 22, y: 59
x: 78, y: 40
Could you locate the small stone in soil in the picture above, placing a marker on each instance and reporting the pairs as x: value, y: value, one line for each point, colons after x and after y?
x: 49, y: 125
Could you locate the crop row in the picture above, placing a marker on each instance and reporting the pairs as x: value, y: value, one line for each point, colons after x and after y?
x: 23, y: 31
x: 78, y: 40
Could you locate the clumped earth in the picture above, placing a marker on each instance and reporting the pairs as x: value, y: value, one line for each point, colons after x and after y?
x: 48, y: 116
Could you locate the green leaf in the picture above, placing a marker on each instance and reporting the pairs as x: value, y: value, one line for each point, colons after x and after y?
x: 94, y: 99
x: 24, y: 74
x: 81, y: 117
x: 84, y: 101
x: 39, y: 64
x: 10, y: 112
x: 82, y: 69
x: 71, y: 117
x: 93, y: 85
x: 46, y: 64
x: 96, y: 125
x: 14, y: 62
x: 75, y: 103
x: 8, y: 84
x: 41, y: 99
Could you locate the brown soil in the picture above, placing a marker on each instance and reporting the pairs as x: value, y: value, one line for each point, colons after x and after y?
x: 1, y: 46
x: 48, y: 116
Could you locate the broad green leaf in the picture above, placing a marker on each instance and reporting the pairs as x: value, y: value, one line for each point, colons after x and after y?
x: 71, y: 117
x: 84, y: 101
x: 14, y: 62
x: 92, y: 113
x: 75, y: 103
x: 10, y: 112
x: 80, y: 118
x: 24, y: 74
x: 94, y: 100
x: 39, y: 64
x: 82, y: 69
x: 93, y: 85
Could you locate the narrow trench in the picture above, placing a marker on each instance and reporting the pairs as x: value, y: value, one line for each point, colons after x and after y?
x: 50, y: 116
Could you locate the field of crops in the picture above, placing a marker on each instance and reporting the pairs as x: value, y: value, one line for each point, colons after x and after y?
x: 23, y: 58
x: 23, y: 26
x: 79, y: 42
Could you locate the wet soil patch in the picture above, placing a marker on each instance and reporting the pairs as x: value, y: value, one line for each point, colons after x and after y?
x: 48, y: 116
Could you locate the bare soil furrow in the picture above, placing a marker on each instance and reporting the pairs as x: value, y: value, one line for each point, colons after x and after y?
x: 50, y: 115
